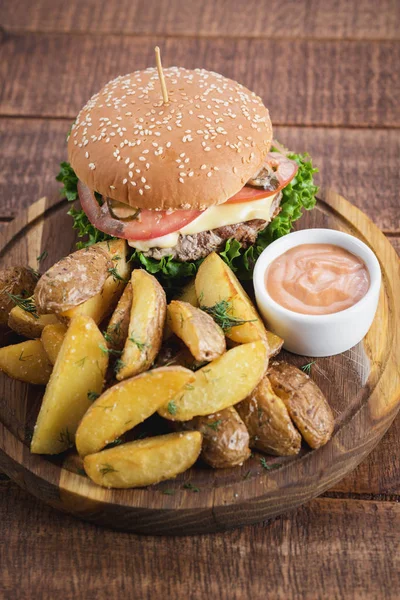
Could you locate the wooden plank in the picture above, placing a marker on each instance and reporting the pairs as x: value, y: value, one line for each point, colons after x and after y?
x: 32, y: 149
x: 302, y: 82
x: 351, y: 548
x: 279, y: 18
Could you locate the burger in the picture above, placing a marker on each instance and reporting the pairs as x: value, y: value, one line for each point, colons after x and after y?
x: 181, y: 163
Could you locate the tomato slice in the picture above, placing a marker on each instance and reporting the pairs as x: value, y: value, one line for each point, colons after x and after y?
x: 149, y: 223
x: 277, y: 172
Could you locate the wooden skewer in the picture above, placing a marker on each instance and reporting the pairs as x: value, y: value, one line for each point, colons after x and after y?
x: 161, y: 75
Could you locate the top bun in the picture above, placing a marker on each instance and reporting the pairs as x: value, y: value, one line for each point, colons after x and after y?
x: 196, y: 151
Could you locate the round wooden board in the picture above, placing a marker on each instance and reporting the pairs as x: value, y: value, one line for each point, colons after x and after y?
x: 362, y: 386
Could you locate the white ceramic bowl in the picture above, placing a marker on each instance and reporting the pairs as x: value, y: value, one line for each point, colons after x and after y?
x: 318, y: 335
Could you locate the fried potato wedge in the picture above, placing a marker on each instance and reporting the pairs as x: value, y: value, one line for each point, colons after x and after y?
x: 14, y: 281
x: 101, y: 304
x: 223, y: 382
x: 52, y: 339
x: 127, y: 404
x: 29, y: 324
x: 188, y: 294
x: 199, y: 332
x: 118, y: 327
x: 268, y: 423
x: 146, y: 325
x: 275, y: 343
x: 27, y: 362
x: 215, y: 284
x: 306, y: 404
x: 73, y: 280
x: 225, y: 438
x: 77, y: 375
x: 144, y: 462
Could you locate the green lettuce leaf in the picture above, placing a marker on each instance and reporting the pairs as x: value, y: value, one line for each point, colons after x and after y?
x: 299, y: 194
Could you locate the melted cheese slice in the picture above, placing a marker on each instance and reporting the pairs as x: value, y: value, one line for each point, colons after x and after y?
x: 213, y: 217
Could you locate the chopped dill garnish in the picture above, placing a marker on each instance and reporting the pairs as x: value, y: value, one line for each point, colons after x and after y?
x: 268, y: 467
x: 92, y: 396
x: 190, y: 486
x: 172, y: 408
x: 116, y: 442
x: 65, y: 438
x: 42, y: 256
x: 141, y: 345
x: 109, y: 350
x: 215, y: 424
x: 189, y: 386
x: 247, y: 475
x: 168, y: 492
x: 81, y: 472
x: 106, y: 468
x: 24, y: 358
x: 26, y: 304
x: 119, y: 364
x: 307, y: 368
x: 81, y: 362
x: 221, y: 312
x: 116, y: 276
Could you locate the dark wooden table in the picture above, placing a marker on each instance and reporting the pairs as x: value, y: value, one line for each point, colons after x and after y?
x: 329, y: 72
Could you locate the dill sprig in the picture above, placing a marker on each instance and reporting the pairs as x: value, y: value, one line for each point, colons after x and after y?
x: 215, y: 424
x: 140, y: 345
x: 65, y: 438
x: 190, y: 486
x: 109, y: 350
x: 116, y: 276
x: 106, y: 468
x: 92, y: 396
x: 307, y: 368
x: 172, y: 408
x: 26, y: 304
x: 268, y: 467
x: 221, y: 312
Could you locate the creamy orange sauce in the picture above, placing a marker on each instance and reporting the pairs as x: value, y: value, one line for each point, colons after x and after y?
x: 317, y: 279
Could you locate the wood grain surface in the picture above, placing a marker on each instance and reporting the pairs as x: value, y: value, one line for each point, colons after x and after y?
x: 303, y: 82
x: 338, y: 19
x: 332, y: 548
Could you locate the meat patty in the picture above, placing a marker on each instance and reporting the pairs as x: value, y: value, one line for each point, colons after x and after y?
x: 199, y: 245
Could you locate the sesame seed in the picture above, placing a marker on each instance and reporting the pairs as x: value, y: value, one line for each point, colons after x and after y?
x: 147, y: 187
x: 141, y: 192
x: 143, y: 179
x: 112, y: 187
x: 142, y: 158
x: 86, y: 154
x: 92, y: 166
x: 203, y: 167
x: 124, y: 181
x: 133, y: 183
x: 191, y: 174
x: 181, y: 180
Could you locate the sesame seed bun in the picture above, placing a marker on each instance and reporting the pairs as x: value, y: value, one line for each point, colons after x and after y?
x: 196, y: 151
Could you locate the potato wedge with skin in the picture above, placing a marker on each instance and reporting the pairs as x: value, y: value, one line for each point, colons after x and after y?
x: 127, y: 404
x: 73, y: 280
x: 15, y: 281
x: 187, y: 294
x: 27, y: 362
x: 204, y: 338
x: 146, y: 325
x: 268, y: 423
x: 306, y: 404
x: 103, y: 303
x: 52, y: 339
x: 144, y: 462
x: 216, y: 282
x: 223, y: 382
x: 78, y: 372
x: 225, y: 438
x: 118, y: 327
x: 275, y: 343
x: 27, y: 324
